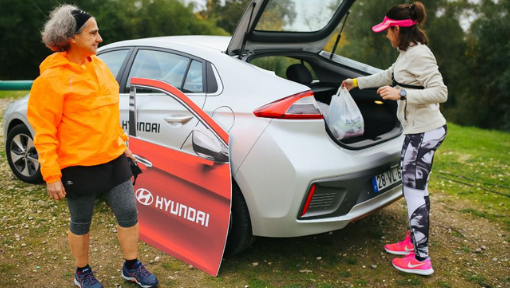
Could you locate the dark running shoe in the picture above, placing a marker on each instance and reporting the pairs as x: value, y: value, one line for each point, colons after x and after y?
x: 86, y: 279
x: 140, y: 275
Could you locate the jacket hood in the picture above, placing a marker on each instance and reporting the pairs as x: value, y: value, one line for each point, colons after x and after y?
x: 58, y: 59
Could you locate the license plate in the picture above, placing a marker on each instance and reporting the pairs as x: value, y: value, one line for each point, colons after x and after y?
x: 386, y: 179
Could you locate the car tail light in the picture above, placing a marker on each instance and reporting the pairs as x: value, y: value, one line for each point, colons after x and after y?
x: 308, y: 200
x: 297, y: 106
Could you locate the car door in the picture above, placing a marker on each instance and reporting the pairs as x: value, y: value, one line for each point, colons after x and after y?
x: 183, y: 198
x: 159, y: 115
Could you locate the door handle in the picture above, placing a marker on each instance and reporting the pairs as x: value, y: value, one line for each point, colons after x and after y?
x: 144, y: 161
x: 181, y: 119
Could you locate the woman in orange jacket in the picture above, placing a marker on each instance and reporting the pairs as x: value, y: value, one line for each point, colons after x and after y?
x: 74, y: 110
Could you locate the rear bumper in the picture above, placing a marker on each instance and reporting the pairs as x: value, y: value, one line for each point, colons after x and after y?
x: 357, y: 212
x: 287, y: 159
x: 338, y: 196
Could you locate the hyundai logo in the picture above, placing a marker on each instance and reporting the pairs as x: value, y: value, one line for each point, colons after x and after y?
x: 144, y: 196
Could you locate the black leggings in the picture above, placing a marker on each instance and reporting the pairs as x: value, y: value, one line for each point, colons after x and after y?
x: 121, y: 199
x: 416, y: 162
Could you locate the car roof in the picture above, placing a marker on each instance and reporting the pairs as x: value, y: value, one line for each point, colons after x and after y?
x: 219, y: 43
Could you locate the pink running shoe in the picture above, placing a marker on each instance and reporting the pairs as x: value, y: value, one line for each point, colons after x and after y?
x: 401, y: 248
x: 409, y: 264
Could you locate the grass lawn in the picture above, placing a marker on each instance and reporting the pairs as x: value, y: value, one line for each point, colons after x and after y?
x: 12, y: 94
x: 474, y: 164
x: 470, y: 234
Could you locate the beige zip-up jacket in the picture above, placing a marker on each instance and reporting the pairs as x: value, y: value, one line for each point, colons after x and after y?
x: 416, y: 66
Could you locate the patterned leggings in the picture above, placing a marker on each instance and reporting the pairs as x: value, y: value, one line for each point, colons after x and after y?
x: 416, y: 162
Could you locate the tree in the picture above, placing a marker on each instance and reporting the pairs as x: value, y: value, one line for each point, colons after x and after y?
x: 20, y: 26
x: 226, y: 14
x: 448, y: 42
x: 474, y: 65
x: 487, y: 103
x: 21, y: 22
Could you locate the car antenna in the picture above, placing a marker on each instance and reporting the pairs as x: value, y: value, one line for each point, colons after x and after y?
x: 247, y: 30
x: 339, y: 35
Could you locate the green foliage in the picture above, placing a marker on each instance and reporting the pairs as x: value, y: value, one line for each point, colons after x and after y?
x: 474, y: 63
x: 132, y: 19
x: 20, y: 26
x: 275, y: 15
x: 489, y: 100
x: 359, y: 42
x: 475, y: 164
x: 22, y: 21
x: 224, y: 14
x: 278, y: 64
x: 12, y: 94
x: 480, y: 280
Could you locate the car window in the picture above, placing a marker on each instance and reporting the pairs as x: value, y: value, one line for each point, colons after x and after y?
x: 280, y: 64
x: 297, y: 15
x: 159, y: 65
x: 194, y: 78
x: 114, y: 60
x: 169, y: 126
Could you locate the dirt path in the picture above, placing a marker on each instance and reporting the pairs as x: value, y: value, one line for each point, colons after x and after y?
x: 467, y: 249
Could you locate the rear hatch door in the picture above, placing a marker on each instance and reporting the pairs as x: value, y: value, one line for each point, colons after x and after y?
x: 299, y: 25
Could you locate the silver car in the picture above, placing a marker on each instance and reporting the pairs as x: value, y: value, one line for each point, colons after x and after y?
x: 265, y: 86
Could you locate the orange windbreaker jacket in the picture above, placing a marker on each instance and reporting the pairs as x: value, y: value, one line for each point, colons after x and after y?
x: 74, y: 110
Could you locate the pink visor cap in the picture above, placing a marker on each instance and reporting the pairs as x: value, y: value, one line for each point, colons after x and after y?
x: 387, y: 23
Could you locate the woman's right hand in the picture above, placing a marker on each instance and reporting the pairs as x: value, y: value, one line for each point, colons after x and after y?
x: 348, y: 83
x: 56, y: 190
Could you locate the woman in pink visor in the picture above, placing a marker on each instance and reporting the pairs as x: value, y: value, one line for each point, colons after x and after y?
x: 414, y: 81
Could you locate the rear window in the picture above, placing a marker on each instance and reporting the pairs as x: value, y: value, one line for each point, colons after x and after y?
x: 280, y: 64
x: 297, y: 15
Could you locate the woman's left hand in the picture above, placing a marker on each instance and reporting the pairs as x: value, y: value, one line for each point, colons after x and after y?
x: 389, y: 93
x: 130, y: 154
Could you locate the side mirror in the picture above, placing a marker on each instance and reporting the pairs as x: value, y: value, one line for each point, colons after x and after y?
x: 206, y: 145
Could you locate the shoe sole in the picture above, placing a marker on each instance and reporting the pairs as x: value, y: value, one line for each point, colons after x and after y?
x: 78, y: 283
x: 398, y: 252
x: 415, y: 271
x: 136, y: 281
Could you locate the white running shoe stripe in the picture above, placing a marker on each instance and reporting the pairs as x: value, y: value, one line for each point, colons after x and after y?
x: 414, y: 266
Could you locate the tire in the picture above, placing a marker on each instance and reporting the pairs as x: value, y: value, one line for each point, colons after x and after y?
x: 240, y: 234
x: 22, y: 156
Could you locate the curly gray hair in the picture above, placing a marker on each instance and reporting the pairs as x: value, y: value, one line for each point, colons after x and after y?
x: 59, y: 28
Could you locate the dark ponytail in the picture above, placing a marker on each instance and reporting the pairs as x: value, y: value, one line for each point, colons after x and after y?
x: 414, y: 34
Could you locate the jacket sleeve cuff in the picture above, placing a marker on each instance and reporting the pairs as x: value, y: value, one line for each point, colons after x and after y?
x: 52, y: 179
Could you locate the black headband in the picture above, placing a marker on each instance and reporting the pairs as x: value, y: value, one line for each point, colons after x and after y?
x: 81, y: 17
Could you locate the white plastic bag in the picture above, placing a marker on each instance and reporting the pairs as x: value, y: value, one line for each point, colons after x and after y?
x: 344, y: 118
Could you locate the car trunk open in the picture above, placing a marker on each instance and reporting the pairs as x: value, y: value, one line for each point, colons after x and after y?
x: 380, y: 122
x: 303, y: 29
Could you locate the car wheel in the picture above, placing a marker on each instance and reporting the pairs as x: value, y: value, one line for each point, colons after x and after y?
x: 22, y: 156
x: 240, y: 235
